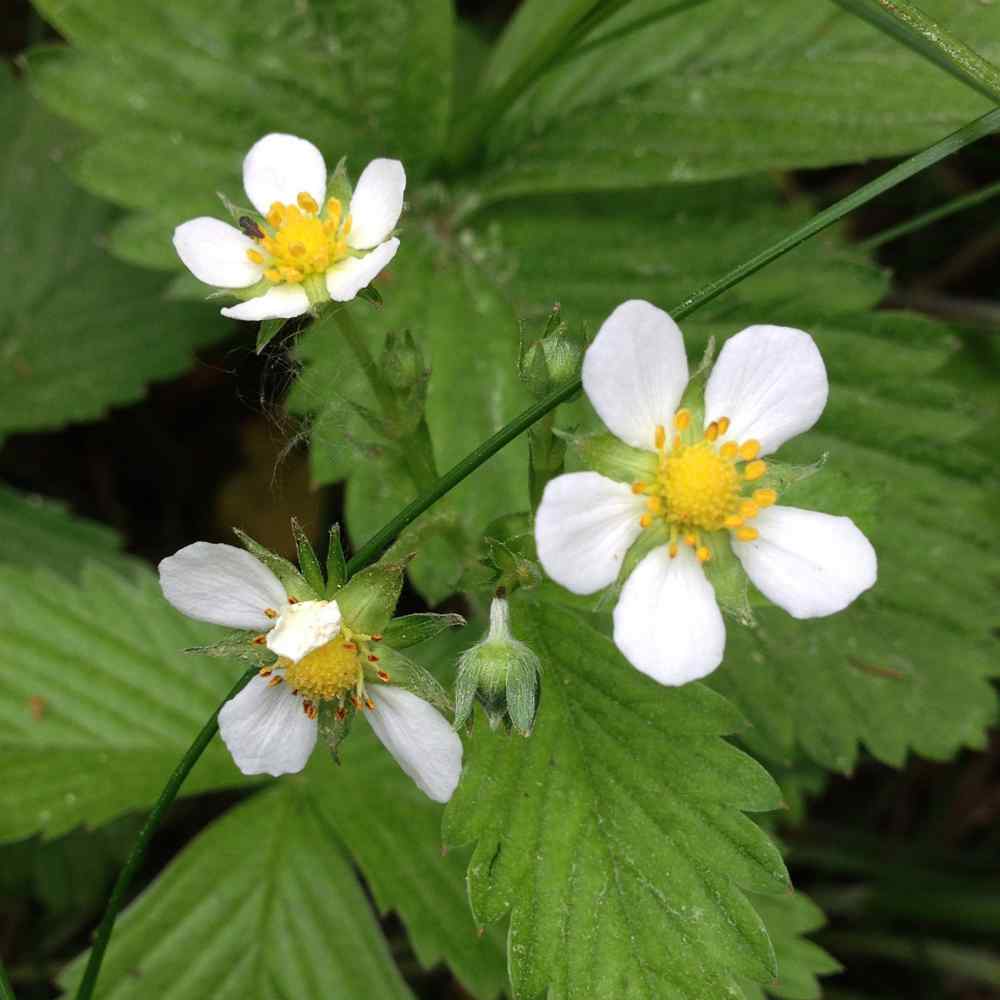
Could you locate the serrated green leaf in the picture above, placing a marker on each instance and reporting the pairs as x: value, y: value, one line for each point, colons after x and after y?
x: 286, y: 916
x: 100, y: 701
x: 79, y: 332
x: 730, y: 88
x: 178, y: 94
x: 614, y: 834
x: 393, y: 832
x: 788, y: 919
x: 38, y: 532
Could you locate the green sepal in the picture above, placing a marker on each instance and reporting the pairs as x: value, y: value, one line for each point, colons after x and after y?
x: 237, y: 212
x: 336, y: 562
x: 267, y: 331
x: 605, y: 454
x: 408, y: 630
x: 404, y: 673
x: 780, y: 476
x: 367, y: 601
x: 309, y: 564
x: 239, y: 646
x: 371, y: 294
x: 339, y: 185
x: 291, y: 579
x: 657, y: 534
x: 728, y: 578
x: 693, y: 399
x: 333, y: 730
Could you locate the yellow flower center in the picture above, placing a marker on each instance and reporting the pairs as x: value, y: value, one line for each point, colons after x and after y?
x: 302, y: 240
x: 325, y: 673
x: 704, y: 485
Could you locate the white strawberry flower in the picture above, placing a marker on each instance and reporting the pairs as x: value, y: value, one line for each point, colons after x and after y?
x: 704, y: 486
x: 305, y: 248
x: 270, y: 727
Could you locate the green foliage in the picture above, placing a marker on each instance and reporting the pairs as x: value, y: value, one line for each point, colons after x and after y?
x: 100, y: 701
x: 39, y: 532
x: 614, y: 834
x: 179, y: 93
x: 79, y: 332
x: 729, y: 88
x: 288, y: 919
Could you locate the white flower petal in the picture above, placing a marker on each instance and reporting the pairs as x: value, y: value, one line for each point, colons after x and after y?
x: 584, y: 526
x: 266, y: 730
x: 771, y: 383
x: 346, y: 279
x: 808, y: 563
x: 667, y: 622
x: 419, y: 737
x: 279, y: 167
x: 303, y: 627
x: 216, y: 253
x: 280, y: 302
x: 635, y: 371
x: 376, y: 203
x: 221, y: 584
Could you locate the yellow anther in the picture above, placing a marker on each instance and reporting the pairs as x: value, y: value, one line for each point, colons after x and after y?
x: 307, y: 203
x: 703, y: 554
x: 272, y: 274
x: 255, y: 256
x: 723, y: 425
x: 276, y: 214
x: 661, y: 437
x: 682, y: 419
x: 346, y: 229
x: 747, y: 534
x: 645, y: 521
x: 749, y: 449
x: 673, y: 550
x: 333, y: 208
x: 691, y: 539
x: 654, y: 505
x: 291, y: 274
x: 676, y: 443
x: 638, y: 488
x: 712, y: 431
x: 755, y: 470
x: 728, y: 450
x: 733, y: 521
x: 765, y: 498
x: 748, y: 509
x: 268, y: 244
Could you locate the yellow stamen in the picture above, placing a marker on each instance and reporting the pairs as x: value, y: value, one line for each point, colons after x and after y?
x: 691, y: 539
x: 673, y: 550
x: 755, y: 470
x: 749, y: 449
x: 661, y: 437
x: 748, y: 509
x: 638, y: 488
x: 723, y: 425
x: 307, y: 203
x: 255, y: 256
x: 712, y: 431
x: 273, y: 274
x: 728, y: 450
x: 654, y: 505
x: 645, y: 521
x: 291, y: 274
x: 703, y: 554
x: 747, y: 534
x: 733, y: 521
x: 682, y: 419
x: 276, y: 214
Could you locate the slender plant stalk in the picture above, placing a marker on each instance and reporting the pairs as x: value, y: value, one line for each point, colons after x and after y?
x: 6, y: 990
x: 372, y: 549
x: 138, y: 852
x: 935, y: 214
x: 915, y: 29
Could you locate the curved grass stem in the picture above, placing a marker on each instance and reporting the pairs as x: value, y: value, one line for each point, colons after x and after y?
x: 373, y: 548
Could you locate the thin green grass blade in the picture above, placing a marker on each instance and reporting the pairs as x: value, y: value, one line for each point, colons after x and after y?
x: 917, y: 31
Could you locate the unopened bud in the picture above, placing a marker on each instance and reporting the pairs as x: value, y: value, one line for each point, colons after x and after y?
x: 501, y: 673
x: 552, y: 361
x: 402, y: 362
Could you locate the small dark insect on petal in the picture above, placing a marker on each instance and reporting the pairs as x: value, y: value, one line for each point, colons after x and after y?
x: 250, y: 228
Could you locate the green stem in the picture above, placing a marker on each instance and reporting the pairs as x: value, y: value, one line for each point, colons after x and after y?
x: 942, y: 212
x: 138, y: 852
x: 6, y: 990
x: 370, y: 551
x: 915, y: 29
x: 547, y: 454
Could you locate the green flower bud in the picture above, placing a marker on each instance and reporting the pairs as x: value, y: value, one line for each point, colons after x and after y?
x: 553, y: 360
x: 501, y: 673
x: 403, y: 363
